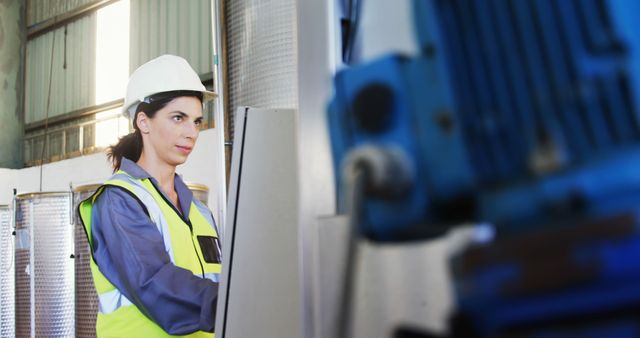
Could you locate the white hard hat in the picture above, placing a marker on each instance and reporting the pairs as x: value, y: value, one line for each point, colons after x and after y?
x: 163, y: 74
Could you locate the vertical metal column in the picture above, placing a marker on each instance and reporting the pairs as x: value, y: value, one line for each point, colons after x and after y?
x: 218, y: 78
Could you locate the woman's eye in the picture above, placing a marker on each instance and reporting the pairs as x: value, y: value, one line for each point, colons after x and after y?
x: 198, y: 122
x: 177, y: 118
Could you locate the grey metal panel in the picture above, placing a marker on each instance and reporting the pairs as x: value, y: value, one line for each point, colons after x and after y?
x: 171, y: 27
x: 413, y: 277
x: 86, y: 303
x: 73, y: 86
x: 44, y: 269
x: 259, y: 291
x: 262, y: 55
x: 7, y: 277
x: 40, y: 10
x: 318, y: 55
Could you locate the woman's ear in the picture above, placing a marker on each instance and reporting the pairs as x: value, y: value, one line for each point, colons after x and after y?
x: 142, y: 120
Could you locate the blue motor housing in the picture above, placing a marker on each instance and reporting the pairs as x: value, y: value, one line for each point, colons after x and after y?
x: 515, y: 112
x: 384, y: 104
x: 524, y: 114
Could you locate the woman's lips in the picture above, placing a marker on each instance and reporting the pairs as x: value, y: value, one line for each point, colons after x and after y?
x: 184, y: 150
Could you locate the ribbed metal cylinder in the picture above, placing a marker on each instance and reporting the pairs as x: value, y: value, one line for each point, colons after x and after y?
x: 7, y: 278
x: 44, y: 270
x: 200, y: 192
x: 262, y: 55
x: 86, y: 296
x: 22, y: 278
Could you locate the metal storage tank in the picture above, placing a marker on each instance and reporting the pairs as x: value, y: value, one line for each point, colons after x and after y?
x: 86, y: 296
x: 44, y: 266
x: 7, y: 281
x: 200, y: 192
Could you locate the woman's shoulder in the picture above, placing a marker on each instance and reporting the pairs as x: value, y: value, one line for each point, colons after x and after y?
x: 117, y: 197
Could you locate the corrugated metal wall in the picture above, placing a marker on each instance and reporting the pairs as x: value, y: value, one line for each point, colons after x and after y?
x: 262, y: 54
x: 171, y: 27
x: 73, y: 84
x: 40, y: 10
x: 157, y: 27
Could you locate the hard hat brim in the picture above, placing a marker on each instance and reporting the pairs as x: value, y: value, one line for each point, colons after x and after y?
x: 131, y: 110
x: 208, y: 96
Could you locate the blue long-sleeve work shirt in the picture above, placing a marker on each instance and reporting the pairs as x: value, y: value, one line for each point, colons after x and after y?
x: 130, y: 253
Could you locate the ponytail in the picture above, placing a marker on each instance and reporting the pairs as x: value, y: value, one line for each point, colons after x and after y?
x: 129, y: 146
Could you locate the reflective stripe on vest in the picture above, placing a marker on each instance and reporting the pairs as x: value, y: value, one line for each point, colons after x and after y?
x: 172, y: 228
x: 111, y: 301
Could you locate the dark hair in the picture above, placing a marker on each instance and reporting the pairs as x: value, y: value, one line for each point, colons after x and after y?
x: 130, y: 146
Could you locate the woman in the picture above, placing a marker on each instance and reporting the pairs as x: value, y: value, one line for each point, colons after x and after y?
x: 155, y: 249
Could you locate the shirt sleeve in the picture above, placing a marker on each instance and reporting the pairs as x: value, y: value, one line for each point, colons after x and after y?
x: 130, y: 252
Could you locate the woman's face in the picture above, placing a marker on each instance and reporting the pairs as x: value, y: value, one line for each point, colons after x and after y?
x: 173, y: 130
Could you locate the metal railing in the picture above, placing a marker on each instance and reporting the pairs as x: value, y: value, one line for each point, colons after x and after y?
x: 65, y: 141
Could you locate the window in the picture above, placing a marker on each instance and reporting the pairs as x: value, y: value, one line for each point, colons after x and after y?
x: 112, y: 70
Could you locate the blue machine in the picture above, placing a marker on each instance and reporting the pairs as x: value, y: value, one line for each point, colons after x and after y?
x: 524, y: 114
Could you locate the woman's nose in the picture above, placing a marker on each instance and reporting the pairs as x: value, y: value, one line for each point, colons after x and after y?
x: 192, y: 130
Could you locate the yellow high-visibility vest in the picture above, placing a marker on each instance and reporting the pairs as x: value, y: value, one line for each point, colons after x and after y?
x: 118, y: 317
